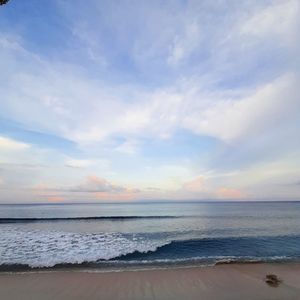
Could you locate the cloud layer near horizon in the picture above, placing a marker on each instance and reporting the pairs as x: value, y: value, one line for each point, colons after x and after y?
x: 162, y: 100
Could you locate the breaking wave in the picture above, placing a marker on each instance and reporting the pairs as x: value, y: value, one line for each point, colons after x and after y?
x: 46, y: 249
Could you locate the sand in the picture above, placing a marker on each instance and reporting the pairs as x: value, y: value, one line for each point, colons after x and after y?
x: 236, y: 281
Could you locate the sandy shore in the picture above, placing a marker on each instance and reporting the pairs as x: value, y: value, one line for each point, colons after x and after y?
x: 219, y: 282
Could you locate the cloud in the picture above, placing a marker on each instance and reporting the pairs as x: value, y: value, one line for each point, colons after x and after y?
x: 133, y: 111
x: 278, y: 19
x: 208, y: 187
x: 128, y: 80
x: 194, y: 185
x: 269, y: 106
x: 54, y: 198
x: 128, y: 147
x: 94, y: 188
x: 96, y: 184
x: 229, y: 193
x: 9, y: 144
x: 45, y: 193
x: 78, y: 163
x: 184, y: 44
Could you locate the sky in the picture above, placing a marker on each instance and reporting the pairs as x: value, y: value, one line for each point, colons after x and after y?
x: 149, y: 100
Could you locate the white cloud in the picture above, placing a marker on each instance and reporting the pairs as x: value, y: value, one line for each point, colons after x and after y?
x: 9, y: 144
x: 185, y: 44
x: 62, y: 100
x: 62, y: 107
x: 78, y: 163
x: 277, y: 19
x: 271, y: 105
x: 128, y: 147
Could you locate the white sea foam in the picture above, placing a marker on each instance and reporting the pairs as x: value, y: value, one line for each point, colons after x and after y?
x: 48, y: 248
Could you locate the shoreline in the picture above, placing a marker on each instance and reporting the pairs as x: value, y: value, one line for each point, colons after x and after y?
x: 223, y: 281
x: 98, y: 268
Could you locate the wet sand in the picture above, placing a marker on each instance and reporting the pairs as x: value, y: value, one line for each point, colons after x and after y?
x: 230, y: 282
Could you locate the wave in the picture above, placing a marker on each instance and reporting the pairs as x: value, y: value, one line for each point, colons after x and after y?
x: 257, y: 247
x: 133, y: 217
x: 37, y: 248
x: 108, y: 218
x: 40, y: 249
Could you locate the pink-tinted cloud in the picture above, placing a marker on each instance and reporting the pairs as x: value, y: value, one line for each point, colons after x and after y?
x: 43, y: 192
x: 229, y: 193
x: 195, y: 185
x: 105, y: 190
x: 95, y: 184
x: 54, y: 198
x: 94, y: 188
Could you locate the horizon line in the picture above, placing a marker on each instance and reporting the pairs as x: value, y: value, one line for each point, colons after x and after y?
x: 156, y: 202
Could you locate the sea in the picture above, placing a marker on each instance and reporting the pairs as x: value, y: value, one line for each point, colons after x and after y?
x: 117, y: 236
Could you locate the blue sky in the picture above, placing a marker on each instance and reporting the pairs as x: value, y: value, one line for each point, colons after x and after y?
x: 149, y: 100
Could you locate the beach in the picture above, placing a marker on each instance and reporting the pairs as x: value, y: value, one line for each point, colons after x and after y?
x: 149, y: 251
x: 227, y: 281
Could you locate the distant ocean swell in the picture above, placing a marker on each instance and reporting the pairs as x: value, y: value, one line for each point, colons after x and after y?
x: 35, y: 249
x: 128, y: 218
x: 102, y: 218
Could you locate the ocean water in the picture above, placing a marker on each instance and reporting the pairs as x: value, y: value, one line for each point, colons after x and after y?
x: 147, y: 234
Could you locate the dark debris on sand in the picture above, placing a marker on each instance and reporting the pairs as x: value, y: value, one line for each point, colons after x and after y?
x: 272, y: 280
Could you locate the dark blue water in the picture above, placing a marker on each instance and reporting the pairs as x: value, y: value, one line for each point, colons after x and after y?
x: 118, y: 235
